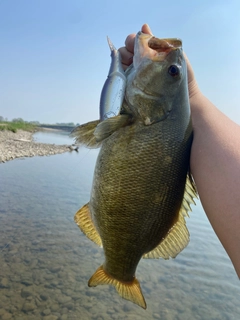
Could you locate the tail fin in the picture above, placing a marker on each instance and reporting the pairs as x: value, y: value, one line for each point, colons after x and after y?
x: 129, y: 291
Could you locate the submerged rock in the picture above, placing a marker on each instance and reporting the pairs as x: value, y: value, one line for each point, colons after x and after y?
x: 28, y: 306
x: 4, y: 283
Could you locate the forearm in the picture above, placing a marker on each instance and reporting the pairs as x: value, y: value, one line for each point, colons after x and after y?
x: 215, y: 165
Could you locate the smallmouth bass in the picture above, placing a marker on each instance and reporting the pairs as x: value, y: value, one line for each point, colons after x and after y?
x: 142, y: 188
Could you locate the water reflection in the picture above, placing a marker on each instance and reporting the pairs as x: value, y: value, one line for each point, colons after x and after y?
x: 46, y: 261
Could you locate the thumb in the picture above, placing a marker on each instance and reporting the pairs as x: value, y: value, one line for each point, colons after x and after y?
x: 146, y: 29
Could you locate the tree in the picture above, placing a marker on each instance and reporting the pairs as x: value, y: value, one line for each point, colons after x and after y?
x: 18, y: 120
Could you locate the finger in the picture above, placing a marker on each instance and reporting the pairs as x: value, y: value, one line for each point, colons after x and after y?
x: 125, y: 66
x: 127, y: 57
x: 146, y: 29
x: 192, y: 83
x: 189, y: 69
x: 129, y: 42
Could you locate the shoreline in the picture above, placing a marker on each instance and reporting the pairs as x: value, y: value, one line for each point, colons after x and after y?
x: 21, y: 144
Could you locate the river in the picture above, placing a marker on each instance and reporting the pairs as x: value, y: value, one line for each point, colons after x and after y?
x: 46, y: 261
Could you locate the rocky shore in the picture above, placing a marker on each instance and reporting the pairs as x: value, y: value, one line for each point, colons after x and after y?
x: 21, y: 144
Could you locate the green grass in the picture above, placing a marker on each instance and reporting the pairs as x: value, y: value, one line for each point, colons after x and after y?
x: 15, y: 126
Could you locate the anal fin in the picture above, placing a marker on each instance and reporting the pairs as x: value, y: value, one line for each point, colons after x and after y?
x: 128, y: 290
x: 178, y: 236
x: 175, y: 241
x: 84, y: 221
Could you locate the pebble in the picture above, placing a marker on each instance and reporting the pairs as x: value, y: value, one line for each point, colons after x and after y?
x: 28, y: 306
x: 11, y: 148
x: 4, y: 283
x: 55, y: 307
x: 50, y: 317
x: 46, y: 312
x: 55, y: 269
x: 6, y: 316
x: 27, y: 282
x: 26, y: 293
x: 63, y: 299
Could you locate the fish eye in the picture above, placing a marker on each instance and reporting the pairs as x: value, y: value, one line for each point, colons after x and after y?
x: 173, y: 70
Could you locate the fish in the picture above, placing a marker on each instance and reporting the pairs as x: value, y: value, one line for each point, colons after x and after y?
x: 142, y: 187
x: 113, y: 91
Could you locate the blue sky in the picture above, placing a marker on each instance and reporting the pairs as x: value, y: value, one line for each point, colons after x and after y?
x: 54, y: 56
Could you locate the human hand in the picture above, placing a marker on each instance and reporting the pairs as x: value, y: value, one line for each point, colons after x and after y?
x: 127, y: 58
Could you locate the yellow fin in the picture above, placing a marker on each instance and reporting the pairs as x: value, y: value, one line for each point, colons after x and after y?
x: 109, y: 126
x: 129, y: 291
x: 178, y: 236
x: 84, y: 221
x: 176, y: 240
x: 84, y: 134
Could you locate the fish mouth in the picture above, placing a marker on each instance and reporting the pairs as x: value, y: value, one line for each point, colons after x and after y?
x: 155, y: 49
x: 164, y: 45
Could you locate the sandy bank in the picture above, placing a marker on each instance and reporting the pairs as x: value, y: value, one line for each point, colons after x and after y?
x: 21, y: 144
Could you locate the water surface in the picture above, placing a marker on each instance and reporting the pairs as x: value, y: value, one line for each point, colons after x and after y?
x: 54, y: 137
x: 46, y: 261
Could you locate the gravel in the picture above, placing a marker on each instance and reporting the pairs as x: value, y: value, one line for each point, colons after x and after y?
x: 21, y: 144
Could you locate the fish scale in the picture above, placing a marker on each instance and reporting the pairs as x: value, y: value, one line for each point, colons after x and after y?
x: 142, y: 188
x: 139, y: 179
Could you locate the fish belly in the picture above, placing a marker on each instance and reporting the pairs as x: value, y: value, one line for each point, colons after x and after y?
x: 137, y: 192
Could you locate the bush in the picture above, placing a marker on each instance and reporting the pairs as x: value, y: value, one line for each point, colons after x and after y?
x: 14, y: 126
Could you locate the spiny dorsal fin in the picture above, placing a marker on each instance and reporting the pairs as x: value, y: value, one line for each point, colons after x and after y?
x: 84, y: 134
x: 84, y: 221
x: 107, y: 127
x: 178, y: 236
x: 129, y: 291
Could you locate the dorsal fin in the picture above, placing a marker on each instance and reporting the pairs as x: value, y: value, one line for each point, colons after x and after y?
x: 84, y: 221
x: 178, y: 236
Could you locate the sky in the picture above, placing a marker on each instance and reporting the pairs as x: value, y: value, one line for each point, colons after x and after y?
x: 54, y: 56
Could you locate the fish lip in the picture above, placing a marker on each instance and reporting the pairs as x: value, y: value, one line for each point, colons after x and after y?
x: 153, y: 48
x: 164, y: 45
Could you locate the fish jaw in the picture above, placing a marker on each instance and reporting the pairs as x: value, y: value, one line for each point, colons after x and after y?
x: 150, y: 47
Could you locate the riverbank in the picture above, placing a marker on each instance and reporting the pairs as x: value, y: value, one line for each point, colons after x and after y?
x: 21, y: 144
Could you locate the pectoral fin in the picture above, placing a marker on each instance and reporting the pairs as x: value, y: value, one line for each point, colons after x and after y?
x: 84, y: 134
x: 178, y: 236
x: 93, y: 133
x: 84, y: 221
x: 107, y: 127
x: 129, y: 290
